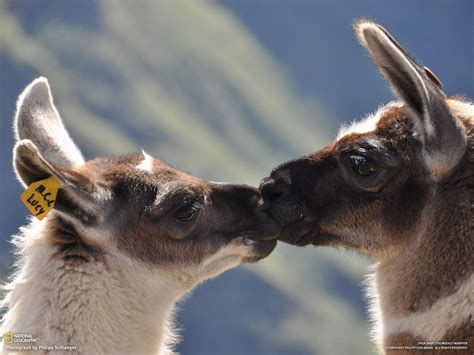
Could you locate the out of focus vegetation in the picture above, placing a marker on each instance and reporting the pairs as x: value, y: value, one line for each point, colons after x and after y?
x: 190, y: 83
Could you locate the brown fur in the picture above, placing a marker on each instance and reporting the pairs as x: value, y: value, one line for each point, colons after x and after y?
x: 144, y: 228
x: 400, y: 191
x: 447, y: 243
x: 426, y: 226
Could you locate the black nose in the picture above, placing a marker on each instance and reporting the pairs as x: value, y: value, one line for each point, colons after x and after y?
x: 272, y: 189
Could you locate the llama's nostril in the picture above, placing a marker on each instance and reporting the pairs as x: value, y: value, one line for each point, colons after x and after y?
x: 265, y: 182
x: 271, y: 190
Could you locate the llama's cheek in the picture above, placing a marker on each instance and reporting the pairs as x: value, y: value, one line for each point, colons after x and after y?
x: 99, y: 237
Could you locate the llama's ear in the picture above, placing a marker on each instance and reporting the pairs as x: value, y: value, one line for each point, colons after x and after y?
x: 77, y: 195
x: 442, y: 135
x: 31, y: 166
x: 38, y: 120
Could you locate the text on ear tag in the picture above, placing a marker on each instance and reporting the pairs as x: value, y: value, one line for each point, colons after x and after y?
x: 40, y: 196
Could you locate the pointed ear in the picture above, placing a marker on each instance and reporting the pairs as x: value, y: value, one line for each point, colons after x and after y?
x: 44, y: 149
x: 38, y: 120
x: 441, y: 133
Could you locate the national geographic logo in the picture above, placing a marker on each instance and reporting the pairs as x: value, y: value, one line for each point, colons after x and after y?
x: 10, y: 338
x: 21, y: 342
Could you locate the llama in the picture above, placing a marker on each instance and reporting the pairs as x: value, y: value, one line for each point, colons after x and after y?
x: 397, y: 186
x: 127, y: 238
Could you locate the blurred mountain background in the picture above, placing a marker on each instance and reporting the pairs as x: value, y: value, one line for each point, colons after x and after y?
x: 226, y: 90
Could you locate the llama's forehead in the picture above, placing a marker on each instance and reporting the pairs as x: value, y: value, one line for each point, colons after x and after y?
x: 147, y: 164
x: 385, y: 115
x: 140, y: 168
x: 390, y: 128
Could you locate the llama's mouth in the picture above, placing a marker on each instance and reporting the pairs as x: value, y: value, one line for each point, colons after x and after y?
x: 269, y: 230
x: 298, y: 232
x: 296, y: 225
x: 257, y: 248
x: 286, y: 212
x: 260, y: 249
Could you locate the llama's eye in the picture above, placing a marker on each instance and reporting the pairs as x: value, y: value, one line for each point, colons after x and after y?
x: 188, y: 213
x: 362, y: 166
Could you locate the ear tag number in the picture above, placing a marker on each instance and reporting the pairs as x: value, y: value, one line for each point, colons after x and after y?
x: 40, y: 196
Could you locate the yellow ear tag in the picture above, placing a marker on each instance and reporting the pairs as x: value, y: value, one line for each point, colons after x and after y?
x: 40, y: 196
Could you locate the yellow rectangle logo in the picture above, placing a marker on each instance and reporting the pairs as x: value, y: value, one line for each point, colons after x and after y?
x: 8, y: 338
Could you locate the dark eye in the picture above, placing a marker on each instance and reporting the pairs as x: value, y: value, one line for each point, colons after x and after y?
x: 187, y: 213
x: 362, y: 166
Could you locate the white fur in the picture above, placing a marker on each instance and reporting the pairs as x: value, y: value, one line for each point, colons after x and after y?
x: 374, y: 308
x: 219, y: 182
x: 431, y: 325
x: 368, y: 123
x: 225, y: 259
x: 442, y: 316
x: 108, y: 306
x: 365, y: 125
x: 102, y: 194
x: 102, y: 308
x: 146, y: 164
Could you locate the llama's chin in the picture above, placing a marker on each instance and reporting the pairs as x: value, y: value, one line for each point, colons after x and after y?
x: 260, y: 249
x: 301, y: 234
x: 299, y: 231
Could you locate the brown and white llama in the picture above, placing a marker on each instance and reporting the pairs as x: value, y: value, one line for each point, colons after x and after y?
x: 399, y: 186
x: 128, y: 237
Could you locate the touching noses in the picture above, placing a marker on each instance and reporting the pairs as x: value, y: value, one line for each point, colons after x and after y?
x: 275, y: 186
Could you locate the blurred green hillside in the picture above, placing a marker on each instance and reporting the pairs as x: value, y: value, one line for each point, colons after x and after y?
x: 190, y: 85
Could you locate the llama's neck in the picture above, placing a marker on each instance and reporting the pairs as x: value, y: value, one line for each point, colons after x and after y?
x: 99, y: 305
x: 425, y: 293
